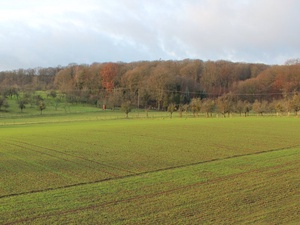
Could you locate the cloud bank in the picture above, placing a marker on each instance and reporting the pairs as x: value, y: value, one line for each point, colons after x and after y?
x: 50, y: 32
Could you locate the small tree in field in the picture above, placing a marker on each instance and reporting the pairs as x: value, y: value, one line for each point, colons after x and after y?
x: 56, y: 102
x: 186, y: 109
x: 279, y: 106
x: 126, y: 107
x: 208, y: 107
x: 239, y: 107
x: 260, y: 107
x: 180, y: 110
x: 22, y: 104
x: 225, y: 104
x: 147, y: 108
x: 242, y: 107
x: 42, y: 106
x: 171, y: 109
x: 195, y: 106
x: 295, y: 103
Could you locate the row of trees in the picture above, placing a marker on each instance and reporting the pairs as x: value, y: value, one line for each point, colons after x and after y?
x: 158, y: 84
x: 228, y: 104
x: 224, y: 105
x: 34, y: 99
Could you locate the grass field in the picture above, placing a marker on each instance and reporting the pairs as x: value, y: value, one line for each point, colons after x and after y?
x: 90, y: 168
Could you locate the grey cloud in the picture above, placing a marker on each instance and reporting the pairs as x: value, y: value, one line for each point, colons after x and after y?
x: 88, y: 31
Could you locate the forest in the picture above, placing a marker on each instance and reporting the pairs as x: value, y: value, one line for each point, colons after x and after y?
x: 190, y: 84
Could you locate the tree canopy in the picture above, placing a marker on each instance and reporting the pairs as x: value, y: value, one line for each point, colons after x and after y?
x: 158, y: 84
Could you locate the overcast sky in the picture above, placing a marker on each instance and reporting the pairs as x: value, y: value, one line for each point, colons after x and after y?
x: 46, y: 33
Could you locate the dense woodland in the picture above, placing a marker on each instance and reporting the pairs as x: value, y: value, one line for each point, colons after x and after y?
x: 194, y: 85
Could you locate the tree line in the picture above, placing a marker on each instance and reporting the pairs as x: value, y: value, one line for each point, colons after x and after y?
x: 221, y: 86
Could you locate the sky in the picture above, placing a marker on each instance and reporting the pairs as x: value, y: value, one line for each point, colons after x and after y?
x: 49, y: 33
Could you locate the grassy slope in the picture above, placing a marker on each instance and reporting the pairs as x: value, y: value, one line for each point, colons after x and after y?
x: 36, y: 157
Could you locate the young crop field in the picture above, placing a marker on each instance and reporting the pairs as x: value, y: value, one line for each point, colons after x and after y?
x: 100, y: 169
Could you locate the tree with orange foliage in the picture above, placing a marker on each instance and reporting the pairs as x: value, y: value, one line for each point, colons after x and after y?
x: 108, y: 74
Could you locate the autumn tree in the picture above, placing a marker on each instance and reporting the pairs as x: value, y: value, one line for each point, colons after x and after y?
x: 257, y: 68
x: 115, y: 98
x: 191, y: 69
x: 209, y: 79
x: 225, y: 104
x: 64, y: 80
x: 80, y: 76
x: 195, y: 106
x: 247, y: 90
x: 133, y: 83
x: 225, y: 75
x: 208, y: 107
x: 108, y: 73
x: 280, y: 106
x: 260, y: 107
x: 180, y: 110
x: 161, y: 83
x: 242, y: 107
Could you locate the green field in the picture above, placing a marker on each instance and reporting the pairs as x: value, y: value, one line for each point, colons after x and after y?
x: 98, y: 168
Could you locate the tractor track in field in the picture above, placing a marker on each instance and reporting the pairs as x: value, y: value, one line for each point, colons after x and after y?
x: 72, y: 155
x: 150, y: 195
x: 143, y: 173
